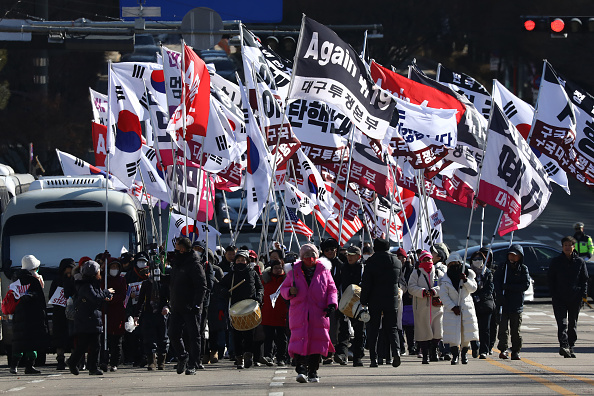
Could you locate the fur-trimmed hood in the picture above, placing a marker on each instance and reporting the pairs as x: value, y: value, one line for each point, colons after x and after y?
x: 321, y: 260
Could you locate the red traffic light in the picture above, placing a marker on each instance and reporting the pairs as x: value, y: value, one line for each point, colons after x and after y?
x: 557, y: 25
x: 529, y: 25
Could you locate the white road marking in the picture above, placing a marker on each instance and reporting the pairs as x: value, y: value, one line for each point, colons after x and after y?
x: 276, y: 384
x: 16, y: 389
x: 36, y: 381
x: 280, y: 372
x: 275, y: 394
x: 278, y: 378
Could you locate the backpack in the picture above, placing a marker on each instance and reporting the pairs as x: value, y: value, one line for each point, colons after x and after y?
x: 9, y: 303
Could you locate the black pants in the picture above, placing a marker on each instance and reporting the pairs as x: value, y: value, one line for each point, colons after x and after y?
x: 339, y: 333
x: 154, y: 333
x: 307, y: 364
x: 514, y: 319
x: 389, y: 323
x: 566, y: 316
x: 484, y: 326
x: 409, y: 332
x: 278, y: 336
x: 132, y: 346
x: 243, y: 341
x: 87, y: 342
x: 113, y: 355
x: 358, y: 341
x: 185, y: 323
x: 203, y: 322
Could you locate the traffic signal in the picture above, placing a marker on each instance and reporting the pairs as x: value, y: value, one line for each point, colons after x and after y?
x: 559, y: 26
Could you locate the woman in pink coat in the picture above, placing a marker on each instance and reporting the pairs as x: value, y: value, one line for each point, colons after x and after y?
x: 312, y: 296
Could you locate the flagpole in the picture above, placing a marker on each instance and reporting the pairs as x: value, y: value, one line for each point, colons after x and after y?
x: 209, y: 200
x: 184, y: 129
x: 413, y: 245
x: 478, y: 185
x: 482, y: 224
x: 228, y: 216
x: 544, y: 65
x: 346, y: 186
x: 108, y: 146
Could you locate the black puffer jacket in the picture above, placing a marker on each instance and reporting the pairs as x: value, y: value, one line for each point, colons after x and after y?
x: 250, y: 289
x: 379, y: 289
x: 88, y: 303
x: 187, y: 283
x: 351, y: 274
x: 510, y: 289
x: 29, y: 322
x: 568, y: 278
x: 484, y: 301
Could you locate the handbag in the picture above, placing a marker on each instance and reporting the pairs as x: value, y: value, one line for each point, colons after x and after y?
x: 436, y: 301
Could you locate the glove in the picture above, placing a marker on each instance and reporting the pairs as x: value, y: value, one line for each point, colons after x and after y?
x: 456, y: 310
x: 426, y: 293
x: 463, y: 277
x: 433, y: 293
x: 331, y: 308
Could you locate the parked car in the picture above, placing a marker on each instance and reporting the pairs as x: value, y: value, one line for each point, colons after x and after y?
x: 537, y: 257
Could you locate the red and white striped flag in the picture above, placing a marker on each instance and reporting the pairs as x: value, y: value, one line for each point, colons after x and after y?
x: 298, y: 225
x: 349, y: 227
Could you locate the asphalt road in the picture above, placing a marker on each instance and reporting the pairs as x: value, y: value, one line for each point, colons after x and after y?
x: 541, y: 372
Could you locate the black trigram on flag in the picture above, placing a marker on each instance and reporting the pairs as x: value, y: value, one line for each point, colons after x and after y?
x: 150, y: 154
x: 254, y: 195
x: 216, y: 158
x: 487, y: 109
x: 79, y: 162
x: 305, y: 165
x: 131, y: 168
x: 144, y: 102
x: 138, y: 71
x: 221, y: 142
x: 120, y: 93
x: 179, y: 222
x: 551, y: 169
x: 152, y: 177
x: 510, y: 110
x: 294, y: 201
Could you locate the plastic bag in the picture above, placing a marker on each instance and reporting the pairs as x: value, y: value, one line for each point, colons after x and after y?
x: 130, y: 325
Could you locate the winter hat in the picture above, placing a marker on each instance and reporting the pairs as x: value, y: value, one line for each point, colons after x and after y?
x: 141, y: 260
x: 90, y: 269
x: 424, y: 254
x: 243, y: 253
x: 381, y: 245
x: 354, y: 250
x: 83, y: 260
x: 307, y: 248
x: 454, y: 258
x: 329, y: 243
x: 400, y: 252
x: 29, y: 262
x: 199, y: 243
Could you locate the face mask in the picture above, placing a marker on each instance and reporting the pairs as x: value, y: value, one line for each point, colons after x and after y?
x: 426, y: 265
x: 141, y: 264
x: 478, y: 264
x: 309, y: 261
x: 114, y: 272
x: 240, y: 266
x: 366, y: 256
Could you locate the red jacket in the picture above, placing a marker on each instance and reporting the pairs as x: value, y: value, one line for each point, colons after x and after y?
x: 276, y: 316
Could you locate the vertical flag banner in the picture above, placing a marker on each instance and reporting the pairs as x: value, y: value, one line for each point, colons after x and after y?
x: 467, y: 86
x: 99, y: 105
x: 512, y: 179
x: 521, y: 114
x: 329, y: 70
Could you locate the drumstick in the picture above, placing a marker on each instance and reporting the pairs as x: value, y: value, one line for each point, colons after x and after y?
x: 230, y: 290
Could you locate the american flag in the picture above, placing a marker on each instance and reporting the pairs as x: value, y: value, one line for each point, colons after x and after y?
x: 298, y: 225
x: 349, y: 227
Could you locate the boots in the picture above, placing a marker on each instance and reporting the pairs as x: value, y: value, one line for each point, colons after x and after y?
x: 239, y: 362
x: 14, y: 364
x: 214, y: 357
x: 463, y: 357
x: 161, y: 357
x: 425, y: 351
x: 455, y: 357
x: 61, y: 360
x: 433, y: 351
x: 248, y: 359
x: 206, y: 358
x: 151, y: 362
x: 29, y: 369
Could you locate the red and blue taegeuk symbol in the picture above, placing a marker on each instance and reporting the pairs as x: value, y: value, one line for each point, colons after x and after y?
x: 158, y: 81
x: 128, y: 136
x: 253, y: 157
x: 313, y: 186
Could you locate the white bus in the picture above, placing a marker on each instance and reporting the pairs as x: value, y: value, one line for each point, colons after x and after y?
x: 64, y: 217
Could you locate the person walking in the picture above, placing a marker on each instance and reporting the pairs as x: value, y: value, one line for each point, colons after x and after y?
x: 88, y: 321
x: 274, y: 317
x: 312, y: 297
x: 511, y: 280
x: 568, y: 284
x: 423, y: 285
x: 379, y: 292
x: 187, y: 287
x: 484, y: 304
x: 459, y: 318
x: 583, y: 244
x: 29, y: 321
x: 243, y: 283
x: 60, y: 329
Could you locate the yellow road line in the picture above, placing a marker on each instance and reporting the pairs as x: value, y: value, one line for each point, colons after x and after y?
x: 556, y: 371
x: 552, y: 386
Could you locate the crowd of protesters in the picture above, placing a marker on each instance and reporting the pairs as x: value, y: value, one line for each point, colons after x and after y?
x: 180, y: 309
